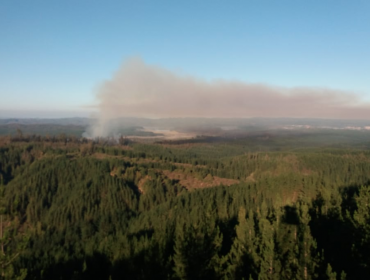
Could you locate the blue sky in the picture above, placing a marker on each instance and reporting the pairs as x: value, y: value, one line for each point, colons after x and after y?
x: 54, y: 55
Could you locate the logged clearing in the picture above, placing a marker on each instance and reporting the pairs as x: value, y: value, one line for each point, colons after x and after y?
x: 165, y: 134
x: 190, y: 182
x: 142, y: 182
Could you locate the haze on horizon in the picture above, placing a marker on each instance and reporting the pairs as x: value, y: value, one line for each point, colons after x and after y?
x: 185, y: 59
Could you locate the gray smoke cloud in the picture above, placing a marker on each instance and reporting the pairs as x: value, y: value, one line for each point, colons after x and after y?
x: 141, y: 90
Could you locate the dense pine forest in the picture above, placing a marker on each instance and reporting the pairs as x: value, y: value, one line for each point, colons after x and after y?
x: 261, y: 208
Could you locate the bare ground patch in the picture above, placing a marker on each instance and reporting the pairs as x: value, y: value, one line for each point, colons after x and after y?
x: 142, y: 182
x: 190, y: 182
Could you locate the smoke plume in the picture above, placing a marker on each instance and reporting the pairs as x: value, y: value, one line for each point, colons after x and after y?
x: 141, y: 90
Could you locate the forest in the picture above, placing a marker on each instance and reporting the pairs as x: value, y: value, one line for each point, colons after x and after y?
x: 261, y: 207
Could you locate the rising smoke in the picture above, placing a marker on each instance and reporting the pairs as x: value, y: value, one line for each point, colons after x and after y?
x: 141, y: 90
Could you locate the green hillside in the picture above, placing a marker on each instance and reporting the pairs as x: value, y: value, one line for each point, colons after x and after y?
x: 288, y: 208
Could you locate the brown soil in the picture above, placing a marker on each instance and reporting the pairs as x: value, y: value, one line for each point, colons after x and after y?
x: 251, y: 178
x: 142, y: 182
x: 190, y: 182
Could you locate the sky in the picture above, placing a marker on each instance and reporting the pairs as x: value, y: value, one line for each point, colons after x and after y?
x: 56, y: 56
